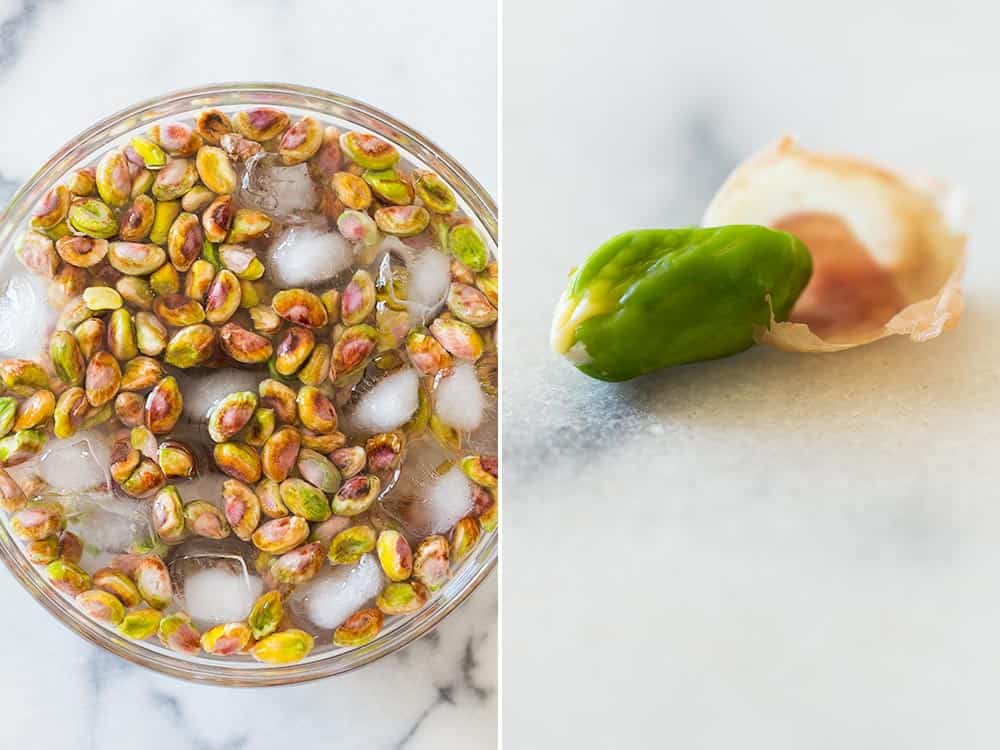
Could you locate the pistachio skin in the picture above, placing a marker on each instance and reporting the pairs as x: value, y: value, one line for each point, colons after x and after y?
x: 656, y: 298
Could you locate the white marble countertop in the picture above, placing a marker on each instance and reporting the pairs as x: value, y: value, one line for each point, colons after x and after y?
x: 770, y: 551
x: 65, y: 64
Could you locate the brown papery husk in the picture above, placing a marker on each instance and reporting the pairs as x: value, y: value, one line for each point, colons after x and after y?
x: 888, y: 250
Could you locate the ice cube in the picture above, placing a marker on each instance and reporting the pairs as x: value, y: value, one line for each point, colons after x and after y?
x: 430, y: 276
x: 338, y: 593
x: 108, y: 525
x: 306, y: 256
x: 284, y: 193
x: 389, y: 404
x: 448, y: 500
x: 215, y: 589
x: 75, y: 464
x: 459, y: 399
x: 203, y: 392
x: 25, y: 315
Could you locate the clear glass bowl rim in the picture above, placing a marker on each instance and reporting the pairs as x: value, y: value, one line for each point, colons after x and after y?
x: 93, y: 140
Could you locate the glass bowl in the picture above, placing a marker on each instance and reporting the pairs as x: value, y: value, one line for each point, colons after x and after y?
x: 340, y: 110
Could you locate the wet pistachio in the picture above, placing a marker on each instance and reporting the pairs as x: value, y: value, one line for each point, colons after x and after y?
x: 281, y: 535
x: 223, y: 298
x: 447, y: 436
x: 101, y: 298
x: 316, y: 369
x: 215, y: 170
x: 266, y: 615
x: 427, y: 356
x: 280, y: 453
x: 153, y: 157
x: 431, y: 562
x: 119, y: 584
x: 136, y: 222
x: 212, y: 124
x: 163, y: 219
x: 35, y: 410
x: 102, y: 379
x: 70, y: 412
x: 384, y: 451
x: 82, y: 182
x: 145, y: 481
x: 400, y: 598
x: 293, y: 349
x: 8, y: 411
x: 177, y: 633
x: 300, y: 308
x: 315, y: 410
x: 68, y: 577
x: 465, y: 243
x: 150, y: 334
x: 204, y: 519
x: 460, y: 273
x: 142, y: 183
x: 121, y: 335
x: 471, y: 306
x: 174, y: 180
x: 68, y: 283
x: 353, y: 349
x: 176, y: 460
x: 349, y: 460
x: 434, y: 192
x: 12, y: 497
x: 52, y: 209
x: 328, y: 159
x: 67, y: 359
x: 165, y: 280
x: 114, y: 181
x: 488, y: 282
x: 243, y: 345
x: 265, y: 320
x: 231, y: 415
x: 459, y: 338
x: 199, y: 280
x: 70, y: 547
x: 134, y: 258
x: 168, y: 515
x: 93, y: 218
x: 90, y: 336
x: 22, y: 376
x: 143, y: 440
x: 177, y: 310
x: 402, y: 221
x: 190, y: 346
x: 163, y: 406
x: 228, y: 639
x: 43, y: 551
x: 176, y: 138
x: 184, y: 241
x: 37, y: 521
x: 269, y: 495
x: 124, y: 459
x: 279, y: 397
x: 241, y: 507
x: 247, y: 225
x: 358, y: 629
x: 481, y: 469
x: 284, y: 647
x: 464, y: 537
x: 36, y: 253
x: 242, y: 261
x: 260, y: 427
x: 140, y: 624
x: 305, y: 500
x: 238, y: 461
x: 351, y: 544
x: 252, y: 292
x: 368, y: 151
x: 389, y: 186
x: 394, y: 554
x: 196, y: 199
x: 130, y: 409
x: 153, y: 581
x: 141, y: 373
x: 260, y: 124
x: 319, y: 471
x: 301, y: 141
x: 358, y: 299
x: 352, y: 191
x: 325, y: 443
x: 356, y: 495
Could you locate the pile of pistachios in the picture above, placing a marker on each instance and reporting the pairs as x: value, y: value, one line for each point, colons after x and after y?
x: 156, y: 268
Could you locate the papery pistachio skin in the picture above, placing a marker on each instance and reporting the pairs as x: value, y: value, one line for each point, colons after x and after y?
x: 384, y: 452
x: 281, y: 534
x: 400, y: 598
x: 168, y: 516
x: 358, y: 629
x: 305, y: 500
x: 140, y: 624
x: 136, y: 222
x: 351, y: 544
x: 431, y: 563
x: 36, y: 253
x: 70, y: 547
x: 299, y: 565
x: 395, y: 555
x: 356, y: 495
x: 242, y: 261
x: 228, y: 639
x: 124, y: 459
x: 118, y: 583
x: 266, y: 615
x: 153, y: 581
x: 284, y: 647
x: 177, y: 633
x: 204, y: 519
x: 68, y: 577
x: 212, y: 124
x: 241, y: 507
x: 239, y: 461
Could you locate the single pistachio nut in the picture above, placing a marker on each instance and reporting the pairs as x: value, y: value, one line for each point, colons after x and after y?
x: 247, y: 225
x: 431, y: 564
x: 153, y: 157
x: 97, y: 417
x: 145, y: 481
x: 402, y: 221
x: 12, y: 497
x: 323, y: 443
x: 121, y: 335
x: 174, y: 180
x: 269, y: 495
x: 260, y: 124
x: 82, y: 182
x: 82, y: 252
x: 102, y: 379
x: 434, y: 192
x: 458, y: 338
x: 279, y: 397
x: 293, y: 350
x: 143, y: 440
x: 318, y: 471
x: 150, y: 334
x: 316, y: 412
x: 163, y: 219
x: 350, y: 460
x: 8, y: 411
x: 135, y: 258
x: 351, y: 190
x: 471, y: 306
x: 37, y: 253
x: 190, y: 346
x: 223, y: 298
x: 196, y: 199
x: 351, y: 544
x: 356, y: 495
x: 488, y: 282
x: 178, y: 310
x: 231, y: 415
x: 265, y: 617
x: 176, y: 460
x: 384, y: 452
x: 141, y: 373
x: 239, y: 461
x: 358, y: 226
x: 215, y: 170
x: 22, y: 376
x: 300, y: 308
x: 301, y: 141
x: 70, y: 412
x: 305, y: 500
x: 204, y: 519
x: 51, y: 209
x: 176, y: 138
x: 212, y: 124
x: 395, y: 555
x: 177, y: 633
x: 199, y: 280
x: 317, y: 368
x: 482, y: 470
x: 140, y: 624
x: 353, y: 349
x: 119, y: 584
x: 130, y: 409
x: 242, y: 261
x: 68, y: 577
x: 93, y: 218
x: 43, y: 551
x: 368, y: 151
x: 185, y: 240
x: 265, y: 320
x: 164, y: 406
x: 466, y: 244
x: 90, y: 336
x: 260, y: 427
x: 402, y: 597
x: 67, y: 359
x: 136, y: 221
x: 284, y: 647
x: 241, y: 507
x: 328, y: 159
x: 464, y: 537
x: 299, y: 565
x: 460, y: 273
x: 37, y: 521
x: 281, y: 535
x: 35, y: 410
x: 358, y: 299
x: 153, y: 581
x: 238, y: 147
x: 165, y: 280
x: 389, y: 186
x: 124, y: 459
x: 142, y: 183
x: 70, y: 547
x: 114, y: 181
x: 169, y: 522
x: 426, y: 355
x: 358, y: 629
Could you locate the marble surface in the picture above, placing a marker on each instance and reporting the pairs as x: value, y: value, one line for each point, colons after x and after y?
x: 62, y: 66
x: 775, y: 550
